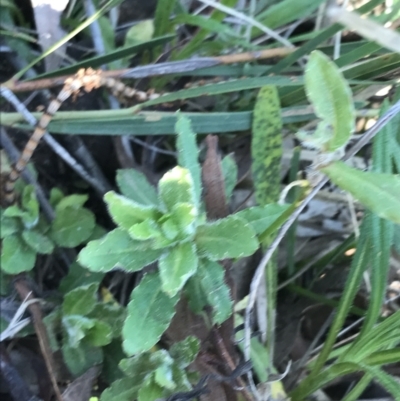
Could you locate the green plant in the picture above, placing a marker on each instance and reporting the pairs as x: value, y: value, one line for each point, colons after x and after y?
x: 26, y: 233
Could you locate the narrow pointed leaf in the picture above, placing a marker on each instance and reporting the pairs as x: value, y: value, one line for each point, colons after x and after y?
x: 177, y: 266
x: 379, y: 192
x: 149, y: 314
x: 331, y: 97
x: 188, y: 153
x: 230, y: 237
x: 116, y: 249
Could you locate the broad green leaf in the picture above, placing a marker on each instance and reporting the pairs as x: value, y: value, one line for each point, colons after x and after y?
x: 134, y: 185
x: 184, y: 352
x: 52, y: 322
x: 262, y: 217
x: 230, y: 237
x: 266, y: 146
x: 81, y: 300
x: 212, y: 276
x: 72, y: 226
x: 230, y: 172
x: 16, y: 256
x: 176, y: 186
x: 81, y: 358
x: 112, y: 314
x: 116, y: 250
x: 176, y: 266
x: 126, y: 212
x: 149, y: 314
x: 8, y: 225
x: 76, y: 328
x: 56, y: 195
x: 99, y: 334
x: 195, y: 294
x: 74, y: 201
x: 38, y: 242
x: 150, y: 391
x: 140, y: 32
x: 188, y: 153
x: 379, y: 192
x: 331, y: 97
x: 121, y: 390
x: 113, y: 353
x: 78, y: 276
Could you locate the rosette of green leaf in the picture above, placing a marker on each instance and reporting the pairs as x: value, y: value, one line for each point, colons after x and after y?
x: 24, y: 235
x: 73, y: 223
x: 117, y: 250
x: 231, y: 237
x: 82, y: 327
x: 160, y: 371
x: 331, y: 97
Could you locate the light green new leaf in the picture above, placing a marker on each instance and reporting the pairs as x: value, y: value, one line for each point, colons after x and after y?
x: 176, y: 186
x: 184, y: 217
x: 16, y: 256
x: 72, y: 226
x: 81, y: 300
x: 149, y: 314
x: 116, y: 250
x: 212, y: 276
x: 262, y: 217
x: 100, y: 334
x: 379, y: 192
x: 150, y: 391
x: 176, y: 266
x: 331, y: 97
x: 134, y: 185
x: 30, y: 205
x: 188, y: 153
x: 266, y: 145
x: 126, y: 212
x: 38, y: 242
x: 230, y: 237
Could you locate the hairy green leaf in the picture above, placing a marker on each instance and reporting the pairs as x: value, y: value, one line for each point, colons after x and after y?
x: 266, y: 146
x: 331, y: 97
x: 134, y: 185
x: 149, y: 314
x: 212, y: 276
x: 379, y: 192
x: 188, y: 153
x: 176, y: 186
x: 184, y: 352
x: 116, y: 250
x: 75, y: 201
x: 230, y: 237
x: 126, y: 212
x: 177, y: 266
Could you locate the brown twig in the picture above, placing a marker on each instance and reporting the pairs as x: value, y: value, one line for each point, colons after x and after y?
x: 25, y: 293
x: 174, y: 67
